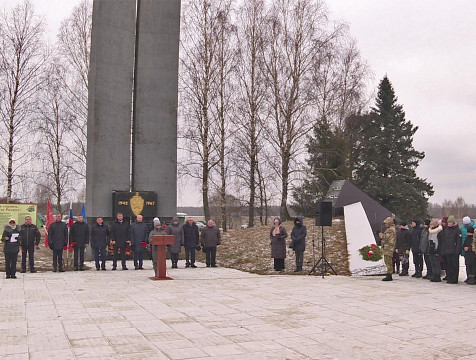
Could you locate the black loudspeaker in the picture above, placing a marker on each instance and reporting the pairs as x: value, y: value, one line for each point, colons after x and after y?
x: 324, y: 213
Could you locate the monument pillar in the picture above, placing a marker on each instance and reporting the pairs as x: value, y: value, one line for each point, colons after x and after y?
x: 109, y: 103
x: 155, y: 125
x: 153, y: 128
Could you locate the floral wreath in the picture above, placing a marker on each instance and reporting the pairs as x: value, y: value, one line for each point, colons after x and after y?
x: 371, y: 253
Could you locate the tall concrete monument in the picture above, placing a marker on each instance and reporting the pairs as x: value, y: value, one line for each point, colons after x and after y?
x: 133, y: 92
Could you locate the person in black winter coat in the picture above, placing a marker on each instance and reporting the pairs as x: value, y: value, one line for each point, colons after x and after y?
x: 417, y: 255
x: 298, y: 237
x: 10, y: 248
x: 451, y: 248
x: 120, y: 235
x: 58, y: 239
x: 29, y: 239
x: 99, y: 241
x: 139, y: 239
x: 469, y: 255
x: 402, y: 247
x: 191, y: 240
x: 79, y: 238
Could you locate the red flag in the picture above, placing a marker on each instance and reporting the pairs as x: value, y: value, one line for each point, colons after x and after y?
x: 49, y: 220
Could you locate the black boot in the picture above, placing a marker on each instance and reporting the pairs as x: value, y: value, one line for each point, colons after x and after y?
x: 471, y: 280
x: 388, y: 278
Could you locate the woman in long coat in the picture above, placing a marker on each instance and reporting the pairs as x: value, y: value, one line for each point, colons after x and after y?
x: 176, y: 230
x: 278, y: 237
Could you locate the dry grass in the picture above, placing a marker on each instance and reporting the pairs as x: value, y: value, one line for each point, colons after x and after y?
x: 249, y: 249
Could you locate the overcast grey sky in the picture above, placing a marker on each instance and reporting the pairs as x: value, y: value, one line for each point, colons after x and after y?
x: 428, y: 50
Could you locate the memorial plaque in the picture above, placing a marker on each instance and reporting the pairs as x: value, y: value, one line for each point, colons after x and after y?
x: 131, y: 204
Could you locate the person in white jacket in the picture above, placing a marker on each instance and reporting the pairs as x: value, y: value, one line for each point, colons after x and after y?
x: 434, y: 250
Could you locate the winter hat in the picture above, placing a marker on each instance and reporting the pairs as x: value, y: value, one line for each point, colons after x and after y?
x: 466, y: 220
x: 451, y: 219
x: 388, y: 221
x: 427, y: 222
x: 12, y: 221
x: 435, y: 223
x: 156, y: 221
x: 403, y: 223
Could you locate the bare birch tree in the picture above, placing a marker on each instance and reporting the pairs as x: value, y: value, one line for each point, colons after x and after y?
x: 22, y: 55
x: 54, y: 120
x: 226, y: 54
x: 198, y: 79
x: 295, y: 31
x: 250, y: 113
x: 74, y: 43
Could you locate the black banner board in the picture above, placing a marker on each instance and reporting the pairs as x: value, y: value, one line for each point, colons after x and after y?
x: 131, y: 204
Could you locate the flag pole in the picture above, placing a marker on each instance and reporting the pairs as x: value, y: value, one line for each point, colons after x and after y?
x: 69, y: 229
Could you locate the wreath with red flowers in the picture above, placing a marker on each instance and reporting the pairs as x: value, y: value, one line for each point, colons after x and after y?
x: 371, y: 253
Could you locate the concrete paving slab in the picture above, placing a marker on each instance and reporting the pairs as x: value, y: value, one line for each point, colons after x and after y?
x: 225, y: 314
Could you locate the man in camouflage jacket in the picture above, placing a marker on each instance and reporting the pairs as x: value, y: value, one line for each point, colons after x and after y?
x: 389, y: 238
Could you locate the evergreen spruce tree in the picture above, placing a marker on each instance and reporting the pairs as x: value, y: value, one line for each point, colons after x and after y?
x: 387, y: 161
x: 328, y: 149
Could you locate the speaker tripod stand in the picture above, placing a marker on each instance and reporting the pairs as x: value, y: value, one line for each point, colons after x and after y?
x: 322, y: 262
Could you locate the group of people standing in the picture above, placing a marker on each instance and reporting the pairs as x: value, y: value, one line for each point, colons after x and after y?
x: 278, y: 235
x: 25, y: 237
x: 437, y: 243
x: 121, y: 236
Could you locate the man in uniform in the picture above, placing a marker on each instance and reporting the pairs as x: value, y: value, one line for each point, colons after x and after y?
x: 29, y: 239
x: 389, y: 238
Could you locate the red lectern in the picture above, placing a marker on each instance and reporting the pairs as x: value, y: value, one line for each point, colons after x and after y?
x: 161, y: 241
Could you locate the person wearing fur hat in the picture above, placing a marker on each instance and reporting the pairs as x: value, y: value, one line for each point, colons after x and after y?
x: 467, y: 223
x: 176, y: 230
x: 451, y: 249
x: 158, y: 230
x: 434, y: 249
x: 11, y: 247
x: 417, y: 255
x: 388, y: 238
x: 402, y: 247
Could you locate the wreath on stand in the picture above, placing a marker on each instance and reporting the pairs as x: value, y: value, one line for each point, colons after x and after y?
x: 371, y: 253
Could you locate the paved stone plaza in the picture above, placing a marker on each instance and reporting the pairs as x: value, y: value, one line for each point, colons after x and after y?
x: 218, y: 313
